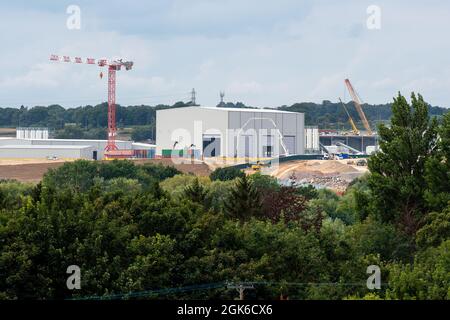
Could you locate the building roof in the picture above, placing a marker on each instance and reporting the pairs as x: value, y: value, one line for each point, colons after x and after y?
x: 75, y: 140
x: 233, y: 109
x: 42, y: 146
x: 247, y: 110
x: 143, y: 145
x: 53, y: 139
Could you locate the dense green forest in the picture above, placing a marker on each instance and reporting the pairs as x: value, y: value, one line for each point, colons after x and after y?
x: 331, y: 115
x: 87, y: 122
x: 90, y: 122
x: 134, y: 230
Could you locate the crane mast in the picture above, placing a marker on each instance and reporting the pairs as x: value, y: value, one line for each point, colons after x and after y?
x: 358, y: 106
x: 112, y: 130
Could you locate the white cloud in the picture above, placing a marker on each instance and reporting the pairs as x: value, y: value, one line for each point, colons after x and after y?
x: 260, y: 52
x: 39, y: 76
x: 383, y: 83
x: 245, y: 87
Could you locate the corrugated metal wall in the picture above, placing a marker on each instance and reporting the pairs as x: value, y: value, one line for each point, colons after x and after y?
x: 240, y: 131
x: 290, y: 125
x: 43, y: 153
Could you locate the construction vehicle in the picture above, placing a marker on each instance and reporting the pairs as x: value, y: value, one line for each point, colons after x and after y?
x: 357, y: 102
x: 350, y: 119
x: 259, y: 165
x: 361, y: 162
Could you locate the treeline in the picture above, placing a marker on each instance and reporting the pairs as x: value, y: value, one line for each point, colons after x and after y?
x: 134, y: 230
x: 56, y: 117
x: 327, y: 114
x: 330, y: 115
x: 77, y: 132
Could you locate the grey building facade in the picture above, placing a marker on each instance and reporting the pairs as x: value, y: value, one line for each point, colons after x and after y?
x: 230, y: 132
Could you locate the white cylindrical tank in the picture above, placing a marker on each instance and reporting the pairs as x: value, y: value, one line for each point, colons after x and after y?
x: 312, y: 138
x: 32, y: 133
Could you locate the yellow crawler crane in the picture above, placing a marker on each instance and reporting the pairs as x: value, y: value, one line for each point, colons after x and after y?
x: 352, y: 123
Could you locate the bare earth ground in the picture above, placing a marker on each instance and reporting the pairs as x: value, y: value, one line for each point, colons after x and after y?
x: 7, y: 132
x: 332, y: 174
x: 27, y: 172
x: 32, y: 170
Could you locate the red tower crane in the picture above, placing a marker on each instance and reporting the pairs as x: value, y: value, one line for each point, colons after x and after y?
x: 111, y: 150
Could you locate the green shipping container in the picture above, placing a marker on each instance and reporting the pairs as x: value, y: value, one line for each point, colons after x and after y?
x: 168, y: 153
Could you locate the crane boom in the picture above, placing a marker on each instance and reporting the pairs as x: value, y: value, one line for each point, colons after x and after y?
x: 358, y: 106
x: 113, y: 66
x: 352, y: 123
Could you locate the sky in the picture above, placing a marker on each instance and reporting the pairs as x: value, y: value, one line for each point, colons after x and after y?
x: 263, y: 53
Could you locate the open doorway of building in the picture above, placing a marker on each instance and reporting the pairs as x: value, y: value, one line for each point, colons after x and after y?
x: 267, y: 151
x: 211, y: 145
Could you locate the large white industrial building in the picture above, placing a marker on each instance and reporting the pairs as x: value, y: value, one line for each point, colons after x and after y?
x: 230, y: 132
